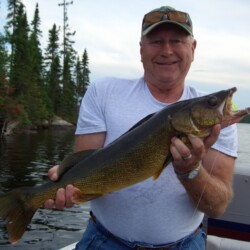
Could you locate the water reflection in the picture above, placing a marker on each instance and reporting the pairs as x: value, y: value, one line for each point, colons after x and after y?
x: 51, y: 230
x: 25, y: 159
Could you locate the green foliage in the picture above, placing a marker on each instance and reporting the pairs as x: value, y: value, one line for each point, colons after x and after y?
x: 53, y: 71
x: 68, y: 100
x: 82, y: 75
x: 33, y: 86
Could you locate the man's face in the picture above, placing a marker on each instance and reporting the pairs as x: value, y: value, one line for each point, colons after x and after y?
x: 167, y: 53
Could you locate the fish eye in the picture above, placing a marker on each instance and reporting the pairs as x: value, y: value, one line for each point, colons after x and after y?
x: 212, y: 101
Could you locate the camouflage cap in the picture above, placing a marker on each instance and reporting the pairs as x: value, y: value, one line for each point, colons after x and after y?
x: 166, y: 14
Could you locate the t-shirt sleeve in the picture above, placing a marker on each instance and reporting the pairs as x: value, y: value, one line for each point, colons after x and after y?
x: 91, y: 118
x: 227, y: 142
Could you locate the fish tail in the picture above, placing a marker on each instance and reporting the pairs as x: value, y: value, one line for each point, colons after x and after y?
x: 17, y: 208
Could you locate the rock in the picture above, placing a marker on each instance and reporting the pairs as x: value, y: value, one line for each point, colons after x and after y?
x: 9, y: 127
x: 45, y: 124
x: 62, y: 123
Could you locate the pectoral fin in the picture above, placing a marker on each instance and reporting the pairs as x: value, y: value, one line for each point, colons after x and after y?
x: 80, y: 197
x: 165, y: 164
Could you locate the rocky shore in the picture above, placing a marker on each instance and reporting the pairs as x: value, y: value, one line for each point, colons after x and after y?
x: 8, y: 128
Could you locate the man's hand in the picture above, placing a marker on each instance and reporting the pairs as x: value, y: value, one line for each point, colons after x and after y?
x: 185, y: 158
x: 63, y: 196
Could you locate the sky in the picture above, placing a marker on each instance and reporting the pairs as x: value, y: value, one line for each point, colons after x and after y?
x: 110, y: 31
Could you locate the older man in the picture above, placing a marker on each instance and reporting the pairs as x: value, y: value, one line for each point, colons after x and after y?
x: 167, y: 213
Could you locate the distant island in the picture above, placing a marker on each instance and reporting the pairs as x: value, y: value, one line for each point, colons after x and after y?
x: 246, y: 119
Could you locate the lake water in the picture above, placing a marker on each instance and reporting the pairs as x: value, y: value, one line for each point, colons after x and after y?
x: 25, y: 160
x: 244, y: 144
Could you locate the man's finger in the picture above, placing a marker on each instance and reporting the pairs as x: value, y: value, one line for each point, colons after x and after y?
x: 60, y: 199
x: 210, y: 140
x: 68, y: 194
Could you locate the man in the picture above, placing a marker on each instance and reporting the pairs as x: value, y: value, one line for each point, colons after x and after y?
x: 167, y: 213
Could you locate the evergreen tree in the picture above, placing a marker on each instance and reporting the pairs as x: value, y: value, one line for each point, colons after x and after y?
x: 82, y: 75
x: 68, y: 101
x: 37, y: 93
x: 78, y: 80
x: 35, y: 50
x: 16, y: 30
x: 85, y: 72
x: 13, y: 6
x: 3, y: 78
x: 20, y: 70
x: 36, y: 88
x: 3, y: 61
x: 23, y: 77
x: 68, y: 107
x: 53, y: 70
x: 9, y: 106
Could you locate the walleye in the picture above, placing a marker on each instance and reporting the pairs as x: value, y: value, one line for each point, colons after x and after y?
x: 140, y: 153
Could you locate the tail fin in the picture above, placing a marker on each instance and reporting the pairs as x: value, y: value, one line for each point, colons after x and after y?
x: 17, y: 210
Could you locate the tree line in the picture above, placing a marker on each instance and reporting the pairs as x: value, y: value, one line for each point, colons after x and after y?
x: 39, y: 84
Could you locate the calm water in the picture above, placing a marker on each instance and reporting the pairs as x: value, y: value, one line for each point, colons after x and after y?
x: 244, y: 144
x: 25, y: 160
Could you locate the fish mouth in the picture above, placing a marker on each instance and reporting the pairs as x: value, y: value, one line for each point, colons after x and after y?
x: 231, y: 116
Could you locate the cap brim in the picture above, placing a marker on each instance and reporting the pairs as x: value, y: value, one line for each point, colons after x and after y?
x: 153, y: 26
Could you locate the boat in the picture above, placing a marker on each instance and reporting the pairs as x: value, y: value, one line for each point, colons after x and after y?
x: 235, y: 222
x: 69, y: 247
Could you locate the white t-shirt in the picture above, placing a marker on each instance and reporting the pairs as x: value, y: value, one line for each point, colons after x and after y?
x: 156, y: 212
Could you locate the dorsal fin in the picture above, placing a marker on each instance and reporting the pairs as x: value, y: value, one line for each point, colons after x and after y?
x: 136, y: 125
x: 141, y: 122
x: 71, y: 160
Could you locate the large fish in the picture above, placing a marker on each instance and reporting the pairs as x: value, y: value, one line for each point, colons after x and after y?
x: 140, y: 153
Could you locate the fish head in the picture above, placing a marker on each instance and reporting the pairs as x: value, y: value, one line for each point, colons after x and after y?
x: 200, y: 114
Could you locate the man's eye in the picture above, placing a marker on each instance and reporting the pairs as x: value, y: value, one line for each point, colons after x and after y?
x: 156, y: 43
x: 176, y: 41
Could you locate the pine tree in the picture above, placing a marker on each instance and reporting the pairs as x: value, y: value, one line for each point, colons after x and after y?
x: 53, y: 70
x: 17, y: 70
x: 85, y: 71
x: 20, y: 70
x: 68, y: 102
x: 3, y: 61
x: 24, y: 77
x: 82, y: 76
x: 78, y: 80
x: 3, y: 78
x: 68, y: 108
x: 37, y: 93
x: 35, y: 50
x: 36, y: 88
x: 10, y: 26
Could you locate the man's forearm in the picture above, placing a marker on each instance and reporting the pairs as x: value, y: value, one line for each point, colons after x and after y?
x: 210, y: 194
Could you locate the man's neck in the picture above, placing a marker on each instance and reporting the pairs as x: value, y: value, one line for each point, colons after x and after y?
x: 166, y: 94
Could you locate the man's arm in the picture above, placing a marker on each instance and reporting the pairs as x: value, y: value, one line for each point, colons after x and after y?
x: 211, y: 190
x: 64, y: 196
